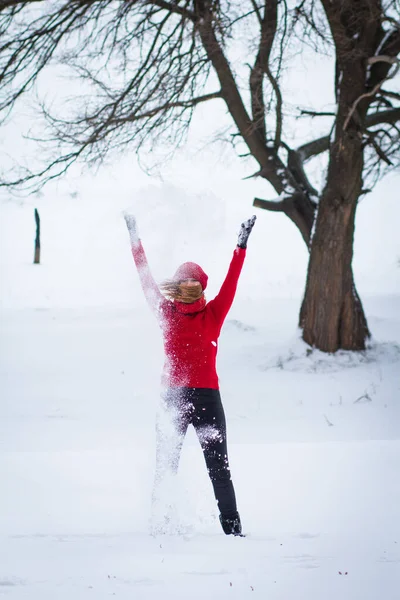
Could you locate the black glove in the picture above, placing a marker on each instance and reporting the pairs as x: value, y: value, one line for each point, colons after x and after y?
x: 132, y: 228
x: 245, y: 230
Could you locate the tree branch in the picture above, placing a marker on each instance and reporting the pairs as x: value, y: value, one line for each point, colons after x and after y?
x: 322, y: 144
x: 371, y: 61
x: 296, y: 166
x: 389, y: 46
x: 272, y: 205
x: 164, y: 107
x: 145, y: 65
x: 390, y: 94
x: 40, y: 38
x: 301, y: 213
x: 379, y: 150
x: 268, y: 28
x: 278, y: 109
x: 13, y: 3
x: 64, y: 162
x: 312, y: 113
x: 257, y: 11
x: 174, y: 8
x: 272, y: 167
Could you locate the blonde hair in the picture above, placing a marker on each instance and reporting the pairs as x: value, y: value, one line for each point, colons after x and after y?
x: 175, y: 290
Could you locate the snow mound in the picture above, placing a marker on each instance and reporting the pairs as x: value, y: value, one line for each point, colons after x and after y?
x: 301, y: 357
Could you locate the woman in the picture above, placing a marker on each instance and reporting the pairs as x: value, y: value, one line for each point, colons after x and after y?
x: 191, y: 328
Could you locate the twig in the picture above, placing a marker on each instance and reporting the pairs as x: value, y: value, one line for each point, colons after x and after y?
x: 371, y: 61
x: 366, y: 396
x: 312, y: 113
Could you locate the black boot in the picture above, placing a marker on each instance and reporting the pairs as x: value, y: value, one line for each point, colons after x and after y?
x: 231, y: 524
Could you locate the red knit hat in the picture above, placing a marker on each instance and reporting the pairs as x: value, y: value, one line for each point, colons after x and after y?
x: 190, y: 270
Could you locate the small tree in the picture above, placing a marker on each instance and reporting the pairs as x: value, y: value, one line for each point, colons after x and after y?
x: 151, y: 62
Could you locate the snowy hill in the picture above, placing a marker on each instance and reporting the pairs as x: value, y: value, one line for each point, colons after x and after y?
x: 314, y: 439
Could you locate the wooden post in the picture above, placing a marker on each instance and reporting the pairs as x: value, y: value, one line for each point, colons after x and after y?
x: 36, y: 260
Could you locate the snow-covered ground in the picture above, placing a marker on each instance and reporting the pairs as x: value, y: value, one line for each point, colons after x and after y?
x: 314, y: 440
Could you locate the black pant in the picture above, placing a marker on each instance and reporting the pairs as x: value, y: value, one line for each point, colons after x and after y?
x: 202, y: 408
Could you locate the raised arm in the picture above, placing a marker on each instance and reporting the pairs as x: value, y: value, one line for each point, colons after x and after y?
x: 151, y: 291
x: 223, y: 300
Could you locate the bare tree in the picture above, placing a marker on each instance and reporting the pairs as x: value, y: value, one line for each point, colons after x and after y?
x: 149, y: 63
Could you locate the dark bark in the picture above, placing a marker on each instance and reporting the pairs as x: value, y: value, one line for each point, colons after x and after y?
x: 36, y: 260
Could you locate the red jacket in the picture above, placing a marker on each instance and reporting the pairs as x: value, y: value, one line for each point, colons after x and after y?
x: 190, y: 331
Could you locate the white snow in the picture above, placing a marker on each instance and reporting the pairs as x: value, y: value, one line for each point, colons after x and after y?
x: 314, y: 440
x: 314, y: 224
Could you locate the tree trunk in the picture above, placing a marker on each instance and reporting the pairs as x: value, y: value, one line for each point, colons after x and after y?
x: 332, y: 315
x: 36, y: 260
